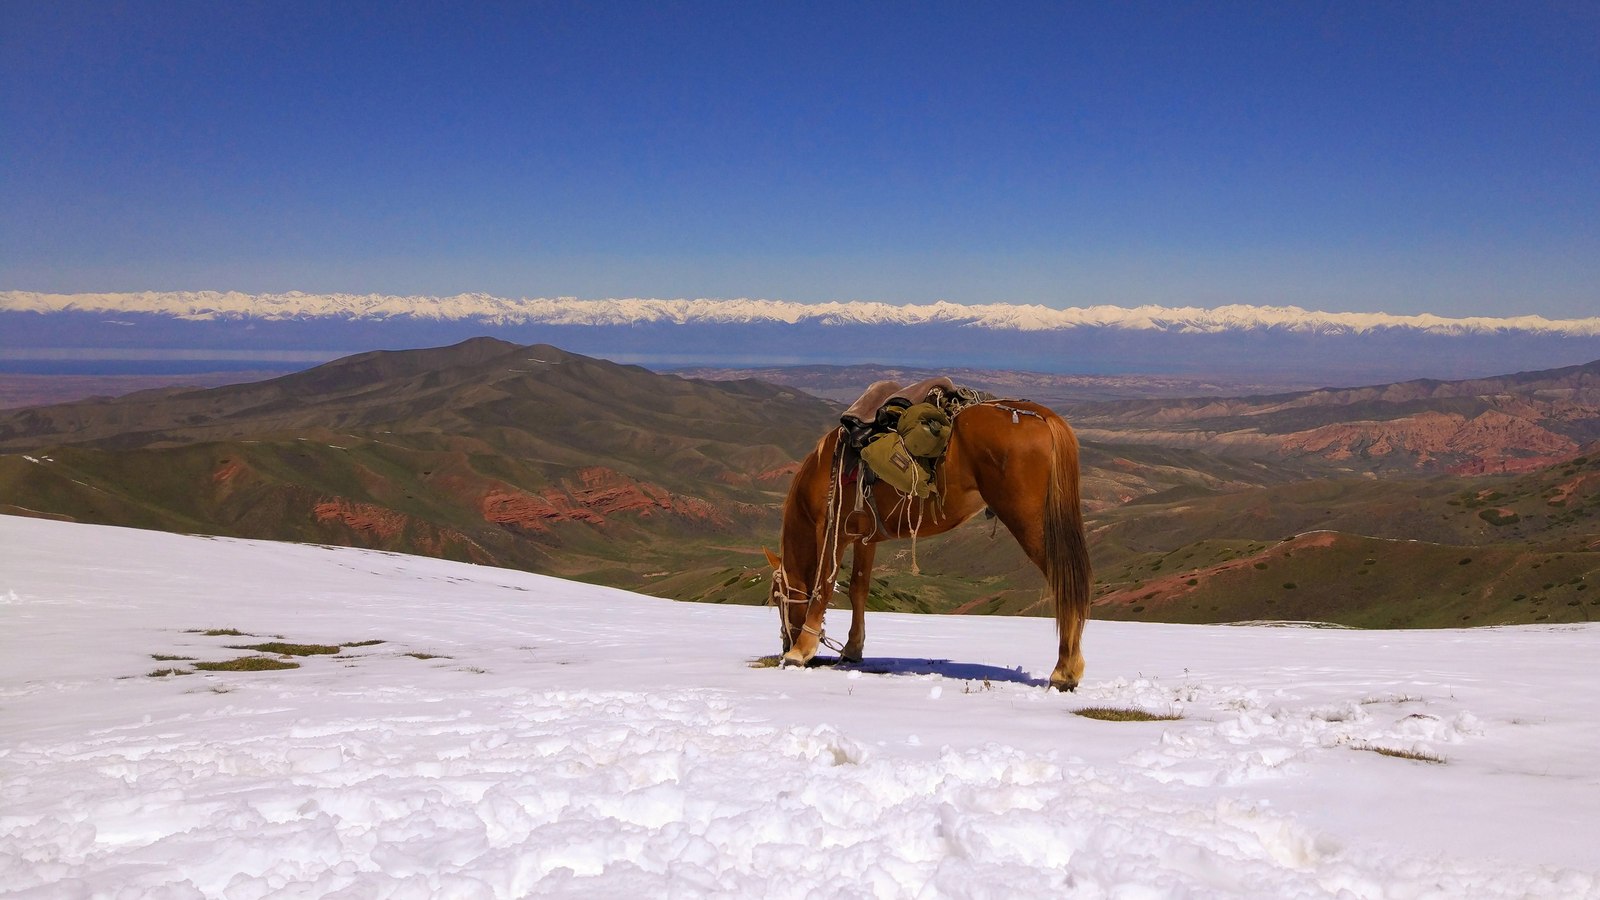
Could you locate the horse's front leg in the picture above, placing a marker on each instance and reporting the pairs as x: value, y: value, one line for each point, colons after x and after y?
x: 860, y: 586
x: 805, y: 629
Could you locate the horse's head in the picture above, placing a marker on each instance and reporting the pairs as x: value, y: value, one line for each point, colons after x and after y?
x: 780, y: 581
x: 783, y: 594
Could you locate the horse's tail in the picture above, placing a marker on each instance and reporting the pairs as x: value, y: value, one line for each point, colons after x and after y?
x: 1066, y: 552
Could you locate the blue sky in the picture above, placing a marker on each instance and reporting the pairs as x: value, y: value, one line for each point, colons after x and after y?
x: 1399, y: 157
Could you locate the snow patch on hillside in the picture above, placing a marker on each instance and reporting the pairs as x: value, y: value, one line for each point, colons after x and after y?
x: 226, y: 305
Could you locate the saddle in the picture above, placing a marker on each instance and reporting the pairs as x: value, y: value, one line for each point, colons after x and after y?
x: 900, y: 433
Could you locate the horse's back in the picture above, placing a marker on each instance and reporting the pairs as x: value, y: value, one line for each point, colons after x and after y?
x: 1003, y: 431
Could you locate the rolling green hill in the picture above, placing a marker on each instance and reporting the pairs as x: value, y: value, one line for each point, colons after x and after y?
x: 489, y: 452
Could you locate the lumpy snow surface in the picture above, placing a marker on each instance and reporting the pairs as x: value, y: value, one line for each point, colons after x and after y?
x: 520, y: 735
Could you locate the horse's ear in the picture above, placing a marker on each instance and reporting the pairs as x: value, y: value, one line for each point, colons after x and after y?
x: 773, y: 559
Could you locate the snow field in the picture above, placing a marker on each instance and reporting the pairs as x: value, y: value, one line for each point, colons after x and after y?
x: 572, y: 740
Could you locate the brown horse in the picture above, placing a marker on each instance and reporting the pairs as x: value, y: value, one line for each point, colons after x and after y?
x: 1018, y: 459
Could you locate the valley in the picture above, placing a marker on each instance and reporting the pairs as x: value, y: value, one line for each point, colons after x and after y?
x: 1419, y: 504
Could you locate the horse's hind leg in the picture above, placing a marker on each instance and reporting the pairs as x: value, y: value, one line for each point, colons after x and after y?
x: 1027, y: 526
x: 860, y: 585
x: 1069, y: 664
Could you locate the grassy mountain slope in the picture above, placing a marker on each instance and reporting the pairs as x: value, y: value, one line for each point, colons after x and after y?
x: 529, y: 457
x: 539, y: 459
x: 1442, y: 551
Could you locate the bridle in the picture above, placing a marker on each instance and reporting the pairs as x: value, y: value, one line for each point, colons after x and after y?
x: 786, y: 594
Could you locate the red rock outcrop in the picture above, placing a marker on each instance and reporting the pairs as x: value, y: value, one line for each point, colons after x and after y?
x: 378, y: 521
x: 1491, y: 442
x: 595, y: 494
x: 532, y: 512
x: 610, y: 492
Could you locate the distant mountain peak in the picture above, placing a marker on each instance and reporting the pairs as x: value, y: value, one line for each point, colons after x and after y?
x: 491, y: 310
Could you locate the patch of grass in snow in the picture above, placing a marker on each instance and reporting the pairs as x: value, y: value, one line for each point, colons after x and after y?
x: 163, y: 673
x: 1124, y: 714
x: 773, y: 661
x: 163, y: 657
x: 363, y: 643
x: 417, y: 655
x: 289, y: 649
x: 1416, y: 755
x: 217, y: 632
x: 247, y: 664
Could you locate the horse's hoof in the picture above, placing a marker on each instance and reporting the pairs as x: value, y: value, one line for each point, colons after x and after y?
x: 791, y: 662
x: 1065, y: 677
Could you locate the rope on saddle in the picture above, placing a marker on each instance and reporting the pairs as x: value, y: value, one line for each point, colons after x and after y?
x: 1004, y: 404
x: 954, y: 402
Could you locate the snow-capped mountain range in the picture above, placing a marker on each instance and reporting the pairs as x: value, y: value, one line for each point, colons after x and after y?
x: 225, y: 305
x: 1275, y: 343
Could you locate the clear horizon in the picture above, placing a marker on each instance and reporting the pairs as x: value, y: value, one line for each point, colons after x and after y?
x: 1341, y: 158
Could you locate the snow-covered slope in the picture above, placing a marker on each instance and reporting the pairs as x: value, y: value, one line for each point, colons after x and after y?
x: 567, y: 739
x: 215, y: 305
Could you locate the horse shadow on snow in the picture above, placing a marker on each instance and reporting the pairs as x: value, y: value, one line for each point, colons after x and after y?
x: 960, y: 671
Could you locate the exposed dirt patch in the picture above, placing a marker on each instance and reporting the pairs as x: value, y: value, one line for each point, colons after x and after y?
x: 1173, y: 587
x: 227, y: 471
x: 781, y: 473
x: 1566, y: 490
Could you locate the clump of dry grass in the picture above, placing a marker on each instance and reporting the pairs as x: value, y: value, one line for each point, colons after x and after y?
x: 775, y: 661
x: 1124, y: 714
x: 164, y: 673
x: 284, y: 649
x: 418, y: 655
x: 217, y: 632
x: 1415, y: 755
x: 247, y: 664
x: 1392, y: 698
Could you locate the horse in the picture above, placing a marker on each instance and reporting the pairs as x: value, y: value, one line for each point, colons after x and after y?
x: 1015, y: 458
